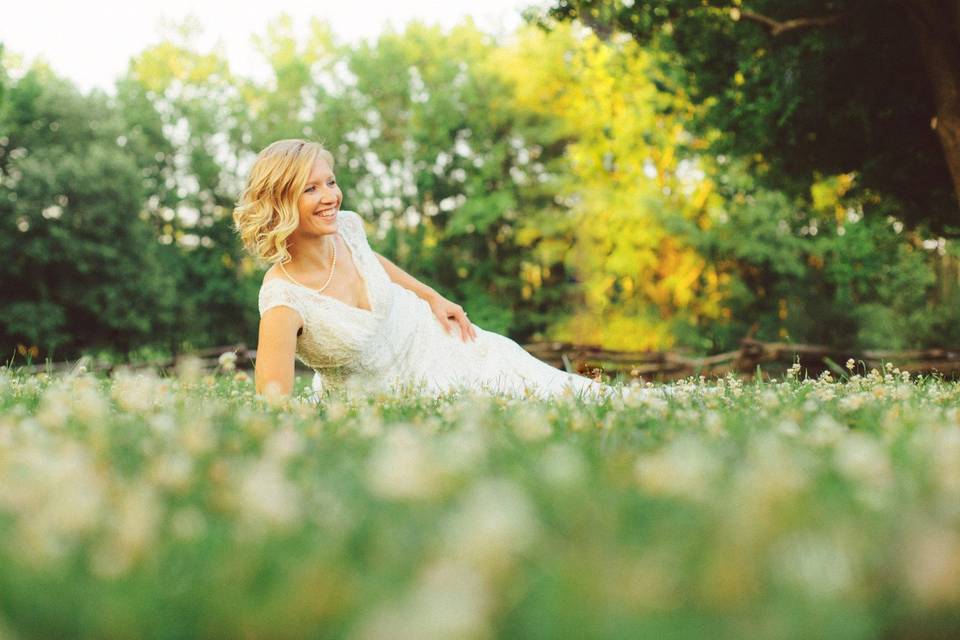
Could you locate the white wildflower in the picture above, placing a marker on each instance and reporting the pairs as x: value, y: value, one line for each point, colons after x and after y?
x: 189, y: 369
x: 769, y: 399
x: 449, y: 600
x: 336, y: 410
x: 852, y: 402
x: 87, y: 404
x: 188, y: 523
x: 136, y: 392
x: 530, y: 423
x: 944, y: 452
x: 815, y: 564
x: 825, y: 430
x: 57, y: 494
x: 368, y: 423
x: 789, y: 428
x: 563, y: 465
x: 863, y: 459
x: 931, y: 564
x: 494, y: 523
x: 197, y: 435
x: 132, y: 531
x: 713, y: 423
x: 684, y: 468
x: 464, y: 449
x: 227, y: 361
x: 284, y: 444
x: 138, y: 515
x: 163, y: 425
x: 267, y: 499
x: 774, y: 472
x: 172, y: 471
x: 54, y: 409
x: 649, y: 582
x: 403, y: 467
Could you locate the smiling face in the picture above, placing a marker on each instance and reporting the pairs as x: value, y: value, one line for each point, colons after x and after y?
x: 320, y: 201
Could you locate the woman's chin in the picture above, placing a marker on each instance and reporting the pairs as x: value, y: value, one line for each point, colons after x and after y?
x: 325, y: 225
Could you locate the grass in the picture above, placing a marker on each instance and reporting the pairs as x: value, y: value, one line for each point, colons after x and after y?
x: 143, y: 506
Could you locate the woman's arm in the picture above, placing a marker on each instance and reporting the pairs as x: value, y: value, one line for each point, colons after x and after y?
x: 406, y: 280
x: 276, y: 348
x: 444, y: 309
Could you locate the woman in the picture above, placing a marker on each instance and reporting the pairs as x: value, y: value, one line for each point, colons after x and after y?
x: 357, y: 319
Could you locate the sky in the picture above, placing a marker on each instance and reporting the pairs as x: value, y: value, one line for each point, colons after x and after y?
x: 92, y: 42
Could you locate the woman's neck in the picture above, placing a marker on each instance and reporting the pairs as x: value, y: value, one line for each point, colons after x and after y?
x: 317, y: 254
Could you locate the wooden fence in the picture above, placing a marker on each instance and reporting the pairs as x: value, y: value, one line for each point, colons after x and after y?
x: 772, y: 358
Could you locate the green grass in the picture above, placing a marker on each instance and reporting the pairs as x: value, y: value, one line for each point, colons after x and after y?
x: 142, y: 506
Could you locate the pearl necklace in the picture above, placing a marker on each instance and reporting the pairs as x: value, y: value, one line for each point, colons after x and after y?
x: 333, y: 266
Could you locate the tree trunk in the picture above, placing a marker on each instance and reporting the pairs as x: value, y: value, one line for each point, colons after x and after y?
x: 936, y: 25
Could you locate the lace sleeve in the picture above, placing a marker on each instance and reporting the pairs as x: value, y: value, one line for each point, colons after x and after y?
x: 356, y: 229
x: 274, y: 294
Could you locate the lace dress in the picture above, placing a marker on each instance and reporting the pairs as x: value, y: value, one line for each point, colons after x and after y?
x: 400, y: 345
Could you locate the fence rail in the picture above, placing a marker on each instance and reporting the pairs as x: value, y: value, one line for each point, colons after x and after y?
x: 770, y: 357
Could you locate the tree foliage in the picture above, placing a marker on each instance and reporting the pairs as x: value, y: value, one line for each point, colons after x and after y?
x: 626, y: 174
x: 83, y: 267
x: 815, y: 87
x: 558, y: 185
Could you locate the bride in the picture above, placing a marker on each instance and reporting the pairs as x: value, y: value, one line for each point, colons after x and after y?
x: 357, y: 319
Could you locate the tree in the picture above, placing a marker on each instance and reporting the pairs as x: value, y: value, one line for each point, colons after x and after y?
x: 816, y: 87
x: 623, y: 186
x: 82, y: 268
x: 434, y: 160
x: 183, y: 113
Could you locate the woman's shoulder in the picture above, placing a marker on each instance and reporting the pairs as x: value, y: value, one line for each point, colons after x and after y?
x: 275, y: 291
x: 272, y: 278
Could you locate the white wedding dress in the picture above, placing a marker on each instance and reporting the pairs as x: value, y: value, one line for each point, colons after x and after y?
x: 400, y: 345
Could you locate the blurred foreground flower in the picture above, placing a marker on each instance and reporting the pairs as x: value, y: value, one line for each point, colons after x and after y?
x: 227, y: 361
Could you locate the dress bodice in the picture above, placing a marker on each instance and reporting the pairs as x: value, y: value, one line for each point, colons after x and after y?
x: 340, y: 340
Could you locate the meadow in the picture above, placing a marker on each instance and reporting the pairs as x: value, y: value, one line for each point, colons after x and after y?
x: 143, y: 505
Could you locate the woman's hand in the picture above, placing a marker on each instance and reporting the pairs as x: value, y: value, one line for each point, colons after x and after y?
x: 449, y: 313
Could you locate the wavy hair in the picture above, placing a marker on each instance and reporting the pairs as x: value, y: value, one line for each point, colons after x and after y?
x: 267, y: 212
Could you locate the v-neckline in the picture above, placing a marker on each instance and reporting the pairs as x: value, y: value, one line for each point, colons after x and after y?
x: 363, y: 279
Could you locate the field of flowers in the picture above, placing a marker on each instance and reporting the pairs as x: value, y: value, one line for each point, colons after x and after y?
x: 185, y: 506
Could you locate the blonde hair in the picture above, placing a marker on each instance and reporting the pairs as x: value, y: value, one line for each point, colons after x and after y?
x: 267, y: 212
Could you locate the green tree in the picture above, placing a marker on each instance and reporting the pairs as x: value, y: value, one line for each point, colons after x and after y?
x: 182, y: 111
x: 625, y: 178
x: 815, y: 269
x: 447, y: 163
x: 82, y: 267
x: 816, y: 86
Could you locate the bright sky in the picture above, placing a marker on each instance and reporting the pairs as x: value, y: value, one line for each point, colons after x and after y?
x: 91, y: 42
